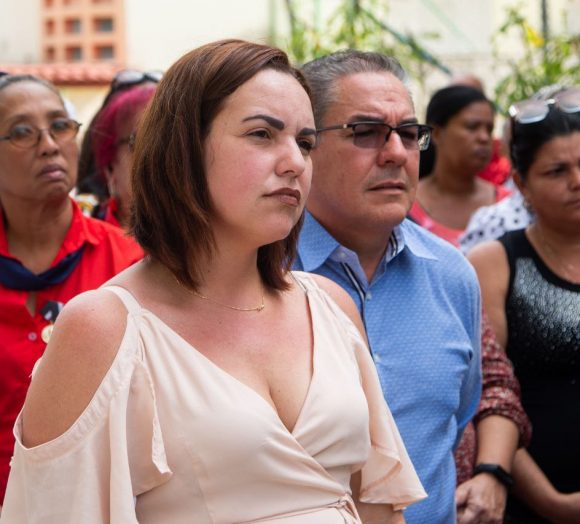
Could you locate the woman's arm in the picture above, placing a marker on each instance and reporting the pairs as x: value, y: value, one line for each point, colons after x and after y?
x: 483, y: 497
x: 82, y: 347
x: 535, y: 490
x: 373, y: 513
x: 490, y: 262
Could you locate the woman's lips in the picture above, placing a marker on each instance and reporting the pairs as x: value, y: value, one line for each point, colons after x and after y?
x: 290, y: 197
x: 52, y: 171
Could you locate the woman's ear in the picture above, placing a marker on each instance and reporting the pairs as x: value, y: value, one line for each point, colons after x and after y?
x: 520, y: 183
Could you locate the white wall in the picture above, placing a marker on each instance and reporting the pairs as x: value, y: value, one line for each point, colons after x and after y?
x: 19, y: 31
x: 158, y: 32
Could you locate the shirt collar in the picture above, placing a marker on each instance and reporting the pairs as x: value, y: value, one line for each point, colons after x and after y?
x: 316, y: 244
x: 77, y: 234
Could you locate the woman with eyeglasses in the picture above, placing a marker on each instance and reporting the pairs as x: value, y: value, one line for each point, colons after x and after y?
x: 209, y: 383
x: 111, y: 143
x: 530, y: 282
x: 49, y: 252
x: 461, y: 146
x: 94, y: 183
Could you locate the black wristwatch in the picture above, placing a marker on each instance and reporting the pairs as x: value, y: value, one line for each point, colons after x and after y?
x: 497, y: 471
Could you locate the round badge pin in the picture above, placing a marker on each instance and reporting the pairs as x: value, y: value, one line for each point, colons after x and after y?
x: 46, y: 332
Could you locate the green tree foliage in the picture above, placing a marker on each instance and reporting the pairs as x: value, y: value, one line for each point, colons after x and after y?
x: 356, y: 24
x: 543, y: 61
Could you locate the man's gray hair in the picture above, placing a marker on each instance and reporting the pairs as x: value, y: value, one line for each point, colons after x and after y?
x: 322, y: 74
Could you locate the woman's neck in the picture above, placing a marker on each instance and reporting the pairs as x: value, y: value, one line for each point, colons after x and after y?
x: 36, y: 230
x: 449, y: 181
x: 559, y: 248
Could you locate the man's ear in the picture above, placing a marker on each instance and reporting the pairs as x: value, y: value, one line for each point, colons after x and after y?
x: 435, y: 134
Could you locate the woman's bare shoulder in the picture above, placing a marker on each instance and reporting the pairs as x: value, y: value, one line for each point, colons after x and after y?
x: 82, y: 347
x: 487, y: 253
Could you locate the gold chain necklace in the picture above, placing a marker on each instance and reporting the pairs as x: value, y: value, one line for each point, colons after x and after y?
x: 567, y: 268
x: 235, y: 308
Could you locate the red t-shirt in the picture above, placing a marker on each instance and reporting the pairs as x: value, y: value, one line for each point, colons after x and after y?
x: 108, y: 251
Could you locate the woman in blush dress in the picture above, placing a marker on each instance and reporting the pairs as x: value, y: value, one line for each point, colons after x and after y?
x: 209, y: 383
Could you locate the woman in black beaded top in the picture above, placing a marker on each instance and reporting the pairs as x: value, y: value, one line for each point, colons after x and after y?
x: 530, y: 282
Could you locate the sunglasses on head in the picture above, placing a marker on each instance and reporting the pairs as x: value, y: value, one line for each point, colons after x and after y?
x: 532, y: 111
x: 132, y: 77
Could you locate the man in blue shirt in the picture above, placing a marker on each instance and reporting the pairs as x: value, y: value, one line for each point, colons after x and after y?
x: 417, y: 295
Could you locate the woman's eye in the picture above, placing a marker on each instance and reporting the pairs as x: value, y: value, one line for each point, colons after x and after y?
x: 60, y: 125
x: 260, y: 133
x: 21, y: 131
x: 557, y: 171
x: 306, y: 145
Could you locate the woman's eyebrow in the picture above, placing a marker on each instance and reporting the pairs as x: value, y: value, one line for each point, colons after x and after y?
x: 305, y: 131
x: 274, y: 122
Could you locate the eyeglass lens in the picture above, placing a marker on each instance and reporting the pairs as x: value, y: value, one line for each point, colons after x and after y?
x: 61, y: 131
x: 374, y: 135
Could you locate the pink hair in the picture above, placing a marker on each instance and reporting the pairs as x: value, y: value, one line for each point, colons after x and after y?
x: 105, y: 132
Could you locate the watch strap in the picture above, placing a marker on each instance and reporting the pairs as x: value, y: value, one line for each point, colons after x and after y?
x: 497, y: 471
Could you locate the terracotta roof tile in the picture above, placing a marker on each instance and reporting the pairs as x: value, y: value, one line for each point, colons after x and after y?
x: 67, y: 74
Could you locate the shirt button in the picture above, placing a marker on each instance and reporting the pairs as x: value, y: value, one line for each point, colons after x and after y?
x: 369, y: 296
x: 32, y: 336
x: 342, y: 255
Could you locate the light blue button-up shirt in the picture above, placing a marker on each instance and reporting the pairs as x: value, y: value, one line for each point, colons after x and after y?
x: 422, y: 315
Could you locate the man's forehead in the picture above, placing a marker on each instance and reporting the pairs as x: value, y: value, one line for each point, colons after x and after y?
x: 373, y: 93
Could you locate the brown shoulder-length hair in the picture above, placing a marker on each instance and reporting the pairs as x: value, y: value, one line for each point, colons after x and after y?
x: 172, y: 207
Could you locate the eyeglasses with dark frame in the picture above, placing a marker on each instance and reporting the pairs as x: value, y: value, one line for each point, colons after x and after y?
x: 373, y: 135
x: 533, y: 111
x: 26, y: 136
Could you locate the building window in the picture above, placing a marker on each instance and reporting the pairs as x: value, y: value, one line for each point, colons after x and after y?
x: 49, y: 54
x: 72, y: 25
x: 49, y: 26
x: 74, y: 54
x: 103, y: 25
x: 104, y: 52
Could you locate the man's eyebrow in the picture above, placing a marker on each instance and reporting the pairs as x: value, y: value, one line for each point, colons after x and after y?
x: 379, y: 120
x: 274, y: 122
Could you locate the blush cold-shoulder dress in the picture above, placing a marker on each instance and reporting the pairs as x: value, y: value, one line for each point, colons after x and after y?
x: 170, y: 437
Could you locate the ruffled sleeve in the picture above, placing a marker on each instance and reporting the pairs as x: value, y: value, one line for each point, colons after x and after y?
x: 110, y: 455
x: 388, y: 475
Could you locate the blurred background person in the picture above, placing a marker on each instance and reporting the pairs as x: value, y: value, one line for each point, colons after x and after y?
x: 498, y: 169
x: 491, y: 222
x: 530, y: 282
x: 111, y: 142
x: 449, y: 193
x: 92, y: 191
x: 49, y: 252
